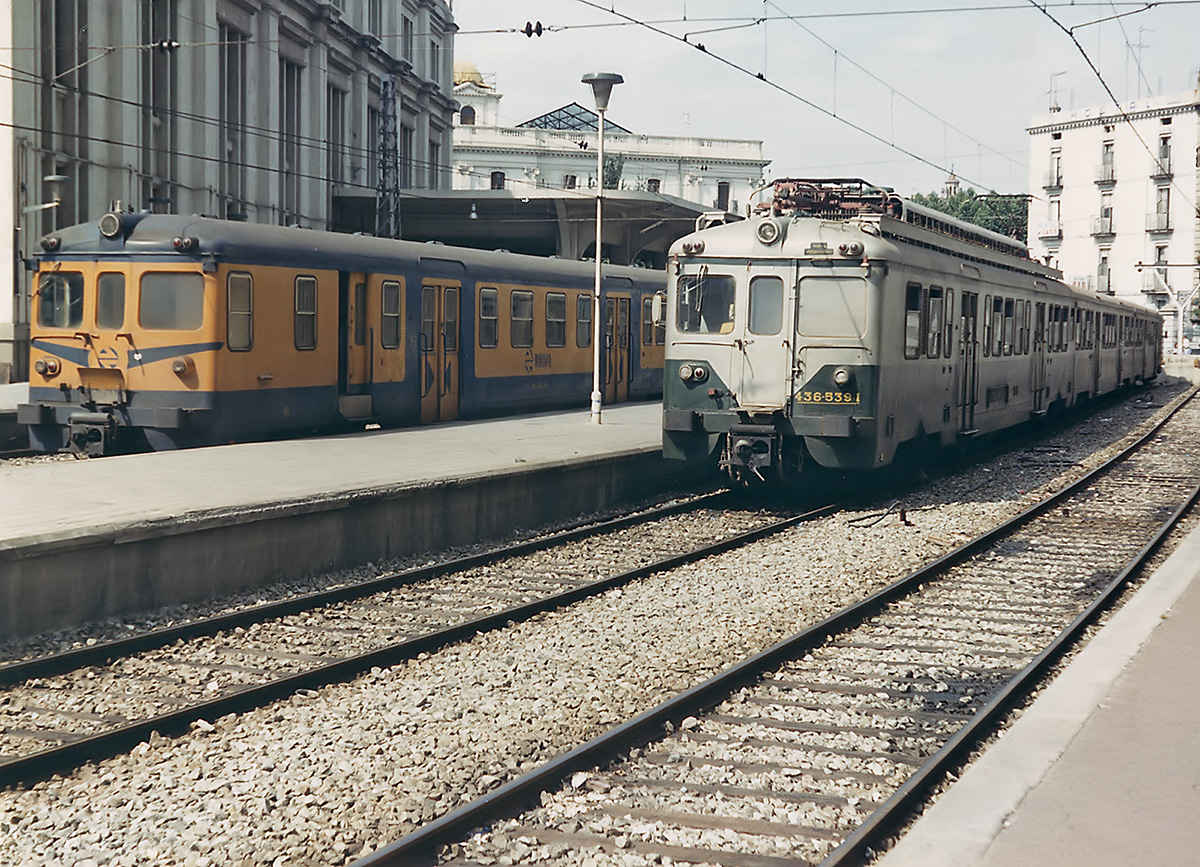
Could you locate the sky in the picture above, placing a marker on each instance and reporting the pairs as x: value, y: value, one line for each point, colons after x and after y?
x: 898, y: 92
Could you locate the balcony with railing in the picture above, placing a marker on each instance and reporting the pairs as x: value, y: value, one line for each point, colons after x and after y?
x: 1105, y: 175
x: 1102, y: 227
x: 1162, y: 170
x: 1052, y: 180
x: 1158, y: 223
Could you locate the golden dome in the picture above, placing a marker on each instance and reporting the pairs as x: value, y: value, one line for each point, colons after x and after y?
x: 467, y: 72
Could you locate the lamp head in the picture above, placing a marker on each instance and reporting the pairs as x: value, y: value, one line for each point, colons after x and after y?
x: 602, y: 85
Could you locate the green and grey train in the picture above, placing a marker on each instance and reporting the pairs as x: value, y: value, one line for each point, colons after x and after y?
x: 847, y: 321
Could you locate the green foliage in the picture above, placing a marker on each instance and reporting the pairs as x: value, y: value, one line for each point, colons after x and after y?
x: 614, y: 167
x: 1008, y: 215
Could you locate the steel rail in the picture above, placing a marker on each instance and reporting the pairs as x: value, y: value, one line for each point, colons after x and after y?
x: 64, y: 758
x: 421, y: 847
x: 107, y: 651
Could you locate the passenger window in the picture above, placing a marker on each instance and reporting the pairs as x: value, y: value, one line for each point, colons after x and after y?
x: 1010, y: 325
x: 488, y: 317
x: 521, y: 321
x: 60, y: 300
x: 912, y: 321
x: 239, y: 314
x: 705, y: 304
x: 933, y: 339
x: 306, y: 313
x: 450, y: 326
x: 766, y: 305
x: 987, y: 325
x: 110, y: 301
x: 556, y: 319
x: 389, y: 333
x: 171, y: 301
x: 997, y: 325
x: 583, y: 320
x: 948, y: 341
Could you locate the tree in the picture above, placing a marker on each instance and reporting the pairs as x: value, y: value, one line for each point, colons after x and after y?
x: 1006, y: 214
x: 614, y: 167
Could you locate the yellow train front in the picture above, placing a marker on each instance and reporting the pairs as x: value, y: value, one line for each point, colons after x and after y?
x: 167, y: 332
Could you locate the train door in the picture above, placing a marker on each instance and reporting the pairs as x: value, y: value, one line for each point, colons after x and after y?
x: 762, y: 347
x: 617, y: 348
x: 1038, y: 360
x: 968, y: 384
x: 439, y: 350
x: 355, y: 346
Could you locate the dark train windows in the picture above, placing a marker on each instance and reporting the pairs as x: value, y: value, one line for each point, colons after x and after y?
x: 912, y: 321
x: 60, y: 300
x: 1026, y: 319
x: 933, y: 336
x: 948, y: 341
x: 489, y: 317
x: 171, y: 301
x: 1010, y: 325
x: 556, y: 319
x: 110, y: 300
x: 706, y: 304
x: 997, y: 326
x: 521, y: 322
x: 583, y: 321
x: 647, y: 321
x: 766, y: 305
x: 389, y: 333
x: 239, y: 312
x: 305, y: 329
x: 450, y: 314
x: 360, y: 314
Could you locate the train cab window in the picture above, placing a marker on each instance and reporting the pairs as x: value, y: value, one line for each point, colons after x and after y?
x: 705, y: 303
x: 171, y: 301
x: 489, y: 317
x: 239, y: 315
x: 912, y: 321
x: 60, y: 300
x: 1010, y: 325
x: 933, y: 337
x: 583, y: 321
x: 766, y: 305
x: 306, y: 313
x: 389, y: 332
x: 110, y: 300
x: 521, y: 320
x: 556, y: 319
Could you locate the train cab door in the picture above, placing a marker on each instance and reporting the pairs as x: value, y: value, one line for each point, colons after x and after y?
x: 439, y: 350
x: 968, y: 384
x: 355, y: 346
x: 617, y: 347
x: 761, y: 343
x: 1038, y: 361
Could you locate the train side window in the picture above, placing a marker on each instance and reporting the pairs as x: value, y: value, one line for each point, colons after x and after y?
x: 239, y: 312
x: 171, y: 301
x: 489, y: 317
x: 912, y: 321
x: 987, y: 325
x: 647, y: 321
x: 389, y: 332
x: 556, y: 319
x: 450, y: 317
x: 1010, y: 326
x: 360, y: 314
x: 933, y: 338
x: 305, y: 329
x: 997, y: 325
x: 110, y: 300
x: 60, y: 300
x: 583, y: 321
x: 948, y: 340
x: 1026, y: 320
x: 766, y: 305
x: 521, y: 321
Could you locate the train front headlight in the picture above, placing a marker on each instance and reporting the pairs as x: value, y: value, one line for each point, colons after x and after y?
x: 685, y: 372
x: 767, y: 231
x: 47, y: 366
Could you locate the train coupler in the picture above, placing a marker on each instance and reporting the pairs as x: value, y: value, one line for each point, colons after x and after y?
x: 749, y: 450
x: 89, y: 433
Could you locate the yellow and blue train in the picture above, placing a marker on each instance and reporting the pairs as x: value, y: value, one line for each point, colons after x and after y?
x: 159, y: 331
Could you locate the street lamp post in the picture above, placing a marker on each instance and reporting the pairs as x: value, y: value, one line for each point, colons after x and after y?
x: 602, y: 85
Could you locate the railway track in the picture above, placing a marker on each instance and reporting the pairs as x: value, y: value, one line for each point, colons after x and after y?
x: 818, y: 748
x: 60, y: 710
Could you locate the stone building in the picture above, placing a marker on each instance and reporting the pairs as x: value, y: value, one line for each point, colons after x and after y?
x: 263, y: 110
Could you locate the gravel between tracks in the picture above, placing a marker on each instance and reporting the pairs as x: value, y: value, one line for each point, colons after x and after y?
x: 328, y: 775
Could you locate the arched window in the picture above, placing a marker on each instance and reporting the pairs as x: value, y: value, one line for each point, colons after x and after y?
x: 467, y: 116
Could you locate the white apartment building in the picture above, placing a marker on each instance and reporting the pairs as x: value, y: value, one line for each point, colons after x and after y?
x: 1115, y: 190
x: 558, y: 151
x: 263, y: 110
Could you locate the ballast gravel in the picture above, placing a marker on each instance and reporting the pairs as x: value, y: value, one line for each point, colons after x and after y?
x: 330, y: 775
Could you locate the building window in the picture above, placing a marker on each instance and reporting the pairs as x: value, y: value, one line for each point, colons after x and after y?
x: 306, y: 313
x: 335, y: 124
x: 407, y: 161
x: 556, y: 319
x: 289, y: 141
x: 375, y: 17
x: 521, y: 321
x: 497, y: 180
x: 435, y: 164
x: 1102, y: 284
x: 653, y: 185
x: 406, y: 38
x: 583, y: 321
x: 240, y: 312
x: 232, y: 72
x: 723, y: 196
x: 489, y: 317
x: 435, y: 62
x: 1162, y: 209
x: 1106, y: 162
x: 389, y: 333
x: 373, y: 120
x: 569, y: 182
x: 467, y: 116
x: 1164, y: 155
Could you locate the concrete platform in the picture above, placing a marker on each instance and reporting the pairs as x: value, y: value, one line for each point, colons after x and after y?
x: 88, y: 539
x: 12, y: 435
x: 1103, y: 769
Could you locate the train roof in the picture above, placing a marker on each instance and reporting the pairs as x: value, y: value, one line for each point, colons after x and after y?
x: 170, y: 236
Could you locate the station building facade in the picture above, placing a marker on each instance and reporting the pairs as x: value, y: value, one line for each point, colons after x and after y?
x: 269, y: 111
x: 557, y: 151
x: 1115, y: 192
